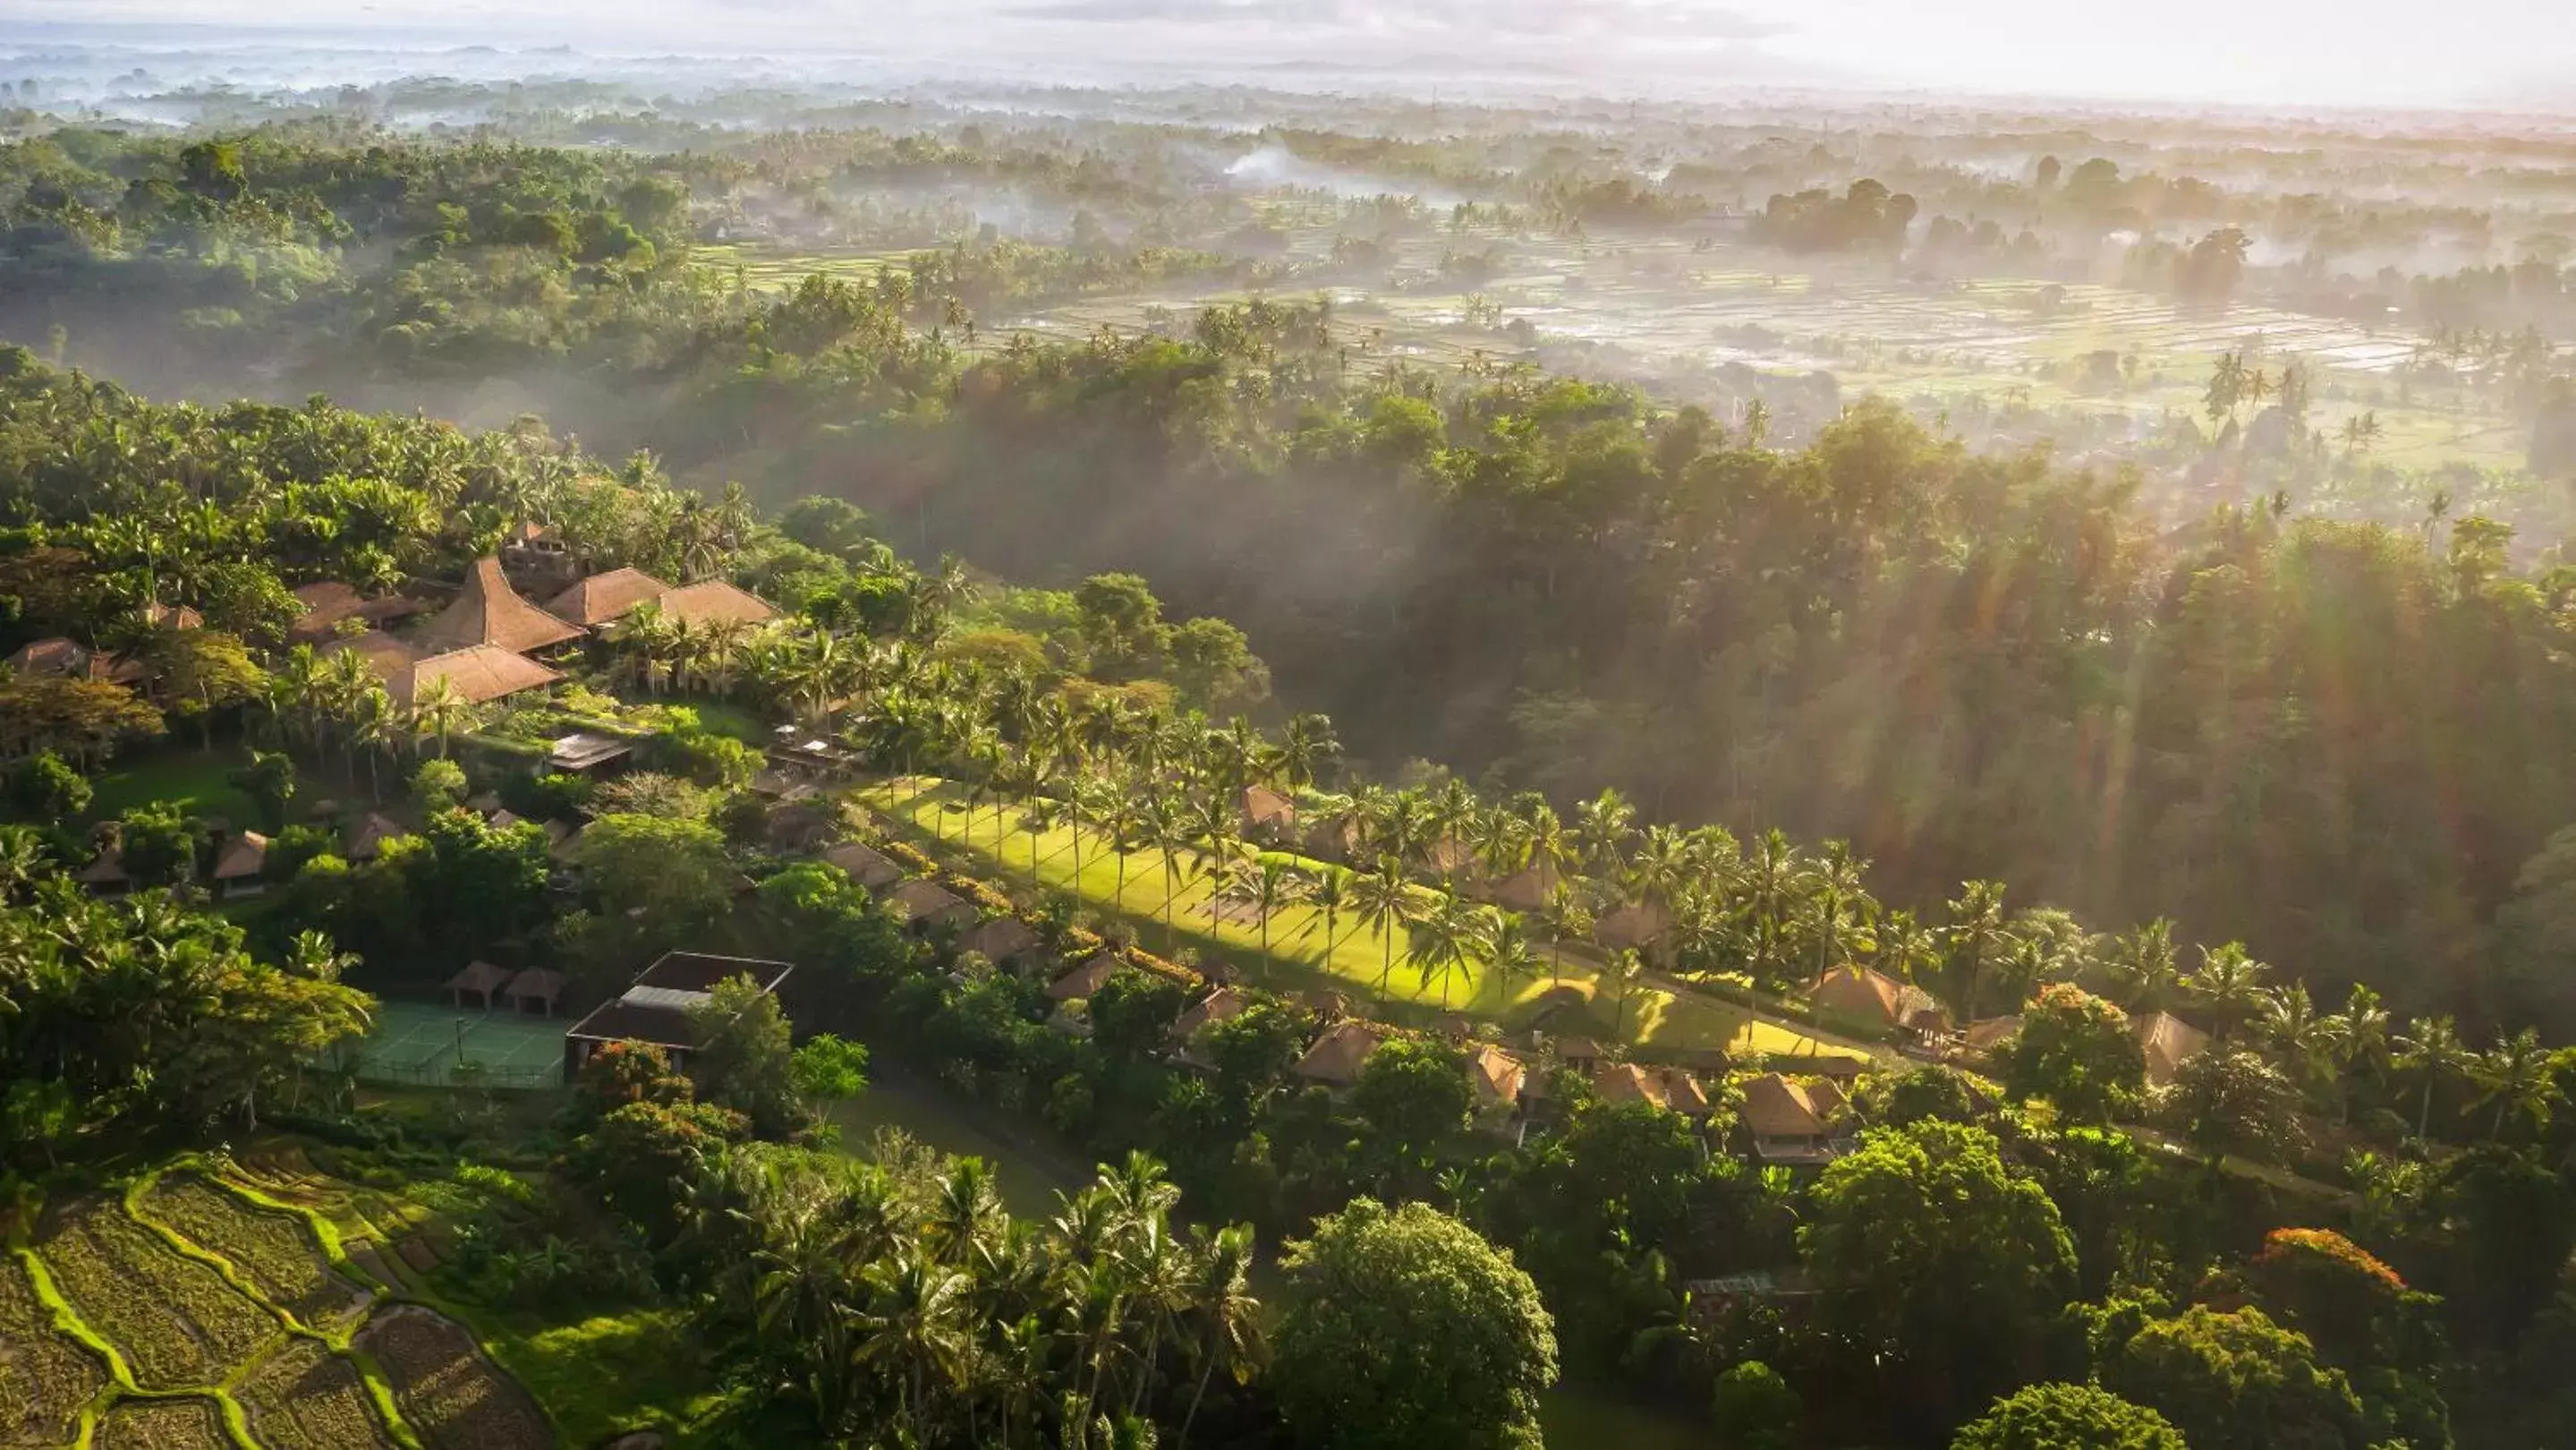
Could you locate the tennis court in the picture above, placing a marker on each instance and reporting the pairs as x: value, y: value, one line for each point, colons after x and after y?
x: 420, y: 1045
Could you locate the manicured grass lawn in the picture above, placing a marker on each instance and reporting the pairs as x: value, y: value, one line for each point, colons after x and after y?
x: 1355, y: 961
x: 723, y: 717
x: 196, y: 779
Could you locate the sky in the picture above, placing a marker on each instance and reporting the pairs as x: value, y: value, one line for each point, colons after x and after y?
x: 2271, y: 52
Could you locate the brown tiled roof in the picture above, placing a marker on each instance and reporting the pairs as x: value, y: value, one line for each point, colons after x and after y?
x: 483, y: 672
x: 487, y: 611
x: 864, y: 864
x: 1496, y: 1076
x: 1086, y: 979
x: 242, y: 858
x: 603, y: 597
x: 710, y: 600
x: 480, y: 977
x: 1336, y: 1057
x: 1775, y: 1107
x: 999, y: 939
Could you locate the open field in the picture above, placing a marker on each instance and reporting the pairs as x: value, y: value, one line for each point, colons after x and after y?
x: 1665, y: 311
x: 1354, y: 961
x: 193, y: 1313
x: 193, y: 780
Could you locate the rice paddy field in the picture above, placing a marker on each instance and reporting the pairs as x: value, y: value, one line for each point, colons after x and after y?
x: 192, y: 1309
x: 1666, y: 311
x: 1298, y: 953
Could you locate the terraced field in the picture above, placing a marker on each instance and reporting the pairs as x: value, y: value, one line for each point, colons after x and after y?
x: 194, y: 1312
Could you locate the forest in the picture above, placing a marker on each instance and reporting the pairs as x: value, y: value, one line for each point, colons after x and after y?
x: 1487, y: 886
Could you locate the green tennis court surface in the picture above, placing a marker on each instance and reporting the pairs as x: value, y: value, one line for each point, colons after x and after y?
x: 426, y: 1046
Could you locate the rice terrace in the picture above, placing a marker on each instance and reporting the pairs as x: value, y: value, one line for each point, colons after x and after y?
x: 209, y: 1304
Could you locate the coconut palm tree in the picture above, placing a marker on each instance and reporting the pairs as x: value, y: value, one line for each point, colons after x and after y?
x: 439, y: 709
x: 1329, y: 892
x: 1509, y: 954
x: 1567, y: 917
x: 1625, y: 967
x: 1305, y: 752
x: 1383, y: 901
x: 1446, y: 938
x: 1602, y: 826
x: 2430, y: 1048
x: 2229, y: 987
x: 2516, y: 1076
x: 1222, y: 1320
x: 2141, y: 970
x: 1271, y: 884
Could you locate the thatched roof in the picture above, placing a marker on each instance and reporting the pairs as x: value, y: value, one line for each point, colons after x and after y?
x: 1223, y: 1004
x: 928, y: 903
x: 390, y: 658
x: 242, y: 858
x: 1872, y: 996
x: 56, y: 655
x: 1496, y: 1076
x: 2167, y: 1042
x: 165, y: 616
x: 864, y: 865
x: 108, y: 869
x: 1086, y: 979
x: 537, y: 984
x: 1336, y: 1057
x: 712, y: 600
x: 328, y: 603
x: 481, y: 977
x: 1527, y: 889
x: 603, y: 597
x: 1267, y: 809
x: 1828, y: 1099
x: 1669, y: 1088
x: 1000, y: 939
x: 1578, y: 1049
x: 1988, y: 1033
x: 368, y: 836
x: 1631, y: 926
x: 1775, y: 1107
x: 487, y: 611
x: 483, y: 672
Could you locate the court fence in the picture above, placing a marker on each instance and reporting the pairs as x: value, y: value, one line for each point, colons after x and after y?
x: 417, y: 1044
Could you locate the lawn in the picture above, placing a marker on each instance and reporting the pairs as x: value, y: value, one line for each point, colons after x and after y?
x: 1355, y: 961
x: 197, y: 780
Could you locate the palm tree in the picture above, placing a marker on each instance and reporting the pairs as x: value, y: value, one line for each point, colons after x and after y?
x: 2229, y: 986
x: 914, y: 1329
x: 439, y: 708
x: 1222, y: 1317
x: 1603, y: 825
x: 1329, y: 891
x: 2143, y: 974
x: 2431, y: 1047
x: 1269, y: 885
x: 1446, y: 938
x: 1974, y: 941
x: 1567, y: 917
x: 2289, y: 1022
x: 1624, y: 969
x: 1382, y: 901
x: 1306, y: 750
x: 2516, y: 1076
x: 1509, y: 954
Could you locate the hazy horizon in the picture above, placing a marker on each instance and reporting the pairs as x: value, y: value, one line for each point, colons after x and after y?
x: 2488, y: 53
